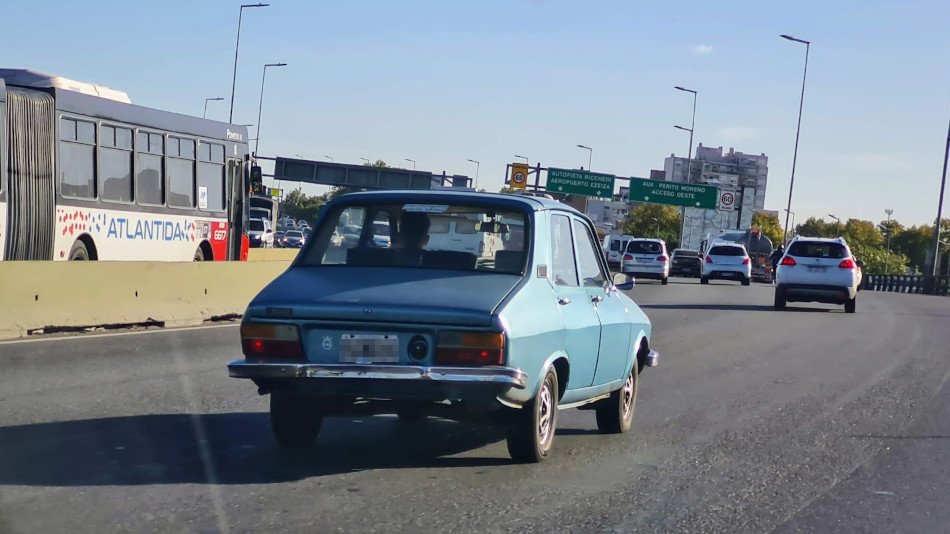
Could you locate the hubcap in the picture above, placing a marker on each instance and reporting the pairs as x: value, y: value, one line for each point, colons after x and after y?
x: 545, y: 413
x: 628, y: 392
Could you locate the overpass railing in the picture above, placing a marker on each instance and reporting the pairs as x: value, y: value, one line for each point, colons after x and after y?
x: 925, y: 285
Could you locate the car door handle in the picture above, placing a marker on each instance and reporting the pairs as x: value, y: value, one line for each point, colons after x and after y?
x: 596, y: 298
x: 563, y: 300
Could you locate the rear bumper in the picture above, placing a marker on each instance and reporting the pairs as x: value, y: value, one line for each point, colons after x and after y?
x: 726, y: 273
x: 640, y: 271
x: 816, y: 293
x: 483, y: 385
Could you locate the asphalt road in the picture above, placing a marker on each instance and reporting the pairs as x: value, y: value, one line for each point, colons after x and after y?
x: 799, y: 421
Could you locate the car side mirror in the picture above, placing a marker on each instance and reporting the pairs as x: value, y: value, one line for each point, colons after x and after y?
x: 623, y: 282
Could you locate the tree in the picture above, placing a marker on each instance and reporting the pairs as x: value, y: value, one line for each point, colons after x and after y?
x: 654, y: 220
x: 300, y: 206
x: 770, y: 225
x: 813, y: 227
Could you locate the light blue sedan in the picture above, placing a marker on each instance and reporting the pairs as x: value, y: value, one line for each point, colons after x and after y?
x: 530, y: 325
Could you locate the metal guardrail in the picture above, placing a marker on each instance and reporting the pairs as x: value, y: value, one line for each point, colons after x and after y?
x: 919, y: 284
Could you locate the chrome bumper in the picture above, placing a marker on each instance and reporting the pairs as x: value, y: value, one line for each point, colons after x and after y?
x: 652, y: 359
x: 507, y: 376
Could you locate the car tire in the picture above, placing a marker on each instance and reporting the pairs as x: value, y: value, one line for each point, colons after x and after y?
x: 779, y: 299
x: 746, y: 282
x: 615, y: 415
x: 78, y: 252
x: 531, y: 429
x: 294, y: 421
x: 703, y: 280
x: 665, y: 280
x: 850, y: 305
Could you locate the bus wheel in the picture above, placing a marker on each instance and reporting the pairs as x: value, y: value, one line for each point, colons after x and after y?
x: 79, y: 252
x: 199, y: 254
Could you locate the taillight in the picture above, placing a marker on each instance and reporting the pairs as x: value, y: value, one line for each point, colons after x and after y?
x: 661, y: 258
x: 790, y: 261
x: 708, y: 259
x: 470, y: 348
x: 847, y: 264
x: 745, y: 261
x: 261, y: 340
x: 627, y: 257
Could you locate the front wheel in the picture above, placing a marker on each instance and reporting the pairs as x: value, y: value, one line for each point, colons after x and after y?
x: 779, y: 299
x: 78, y: 252
x: 703, y: 280
x: 531, y: 429
x: 294, y: 421
x: 615, y: 416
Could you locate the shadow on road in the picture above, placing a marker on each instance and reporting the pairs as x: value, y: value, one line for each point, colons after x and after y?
x: 163, y: 449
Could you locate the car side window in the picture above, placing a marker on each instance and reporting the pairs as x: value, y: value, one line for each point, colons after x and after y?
x: 563, y: 267
x: 591, y: 273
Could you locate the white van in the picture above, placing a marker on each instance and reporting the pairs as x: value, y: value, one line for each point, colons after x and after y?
x: 614, y: 245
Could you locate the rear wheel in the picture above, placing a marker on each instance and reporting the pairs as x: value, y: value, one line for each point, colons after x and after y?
x: 746, y: 281
x: 199, y: 255
x: 294, y: 420
x: 703, y: 279
x: 531, y: 429
x: 615, y: 416
x: 779, y: 299
x: 665, y: 280
x: 850, y: 304
x: 79, y: 252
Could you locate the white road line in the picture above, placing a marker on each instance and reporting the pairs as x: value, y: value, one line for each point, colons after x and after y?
x: 116, y: 334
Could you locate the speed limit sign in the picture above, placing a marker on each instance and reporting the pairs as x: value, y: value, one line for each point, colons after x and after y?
x: 727, y: 200
x: 519, y: 175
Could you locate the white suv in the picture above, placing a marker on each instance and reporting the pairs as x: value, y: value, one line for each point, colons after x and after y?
x: 817, y: 269
x: 646, y: 258
x: 727, y: 261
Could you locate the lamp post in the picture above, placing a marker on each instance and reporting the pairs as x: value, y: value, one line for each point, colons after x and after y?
x: 689, y: 154
x: 887, y: 256
x: 798, y: 129
x: 793, y: 222
x: 590, y: 154
x: 329, y: 158
x: 236, y: 46
x: 213, y: 99
x: 413, y: 163
x: 657, y: 221
x: 478, y: 165
x: 837, y: 224
x: 525, y: 158
x: 366, y: 160
x: 260, y: 105
x: 943, y: 184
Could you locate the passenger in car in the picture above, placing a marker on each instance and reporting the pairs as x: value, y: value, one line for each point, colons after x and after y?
x: 413, y: 231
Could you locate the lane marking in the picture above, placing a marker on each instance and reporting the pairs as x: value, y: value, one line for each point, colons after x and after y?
x: 117, y: 334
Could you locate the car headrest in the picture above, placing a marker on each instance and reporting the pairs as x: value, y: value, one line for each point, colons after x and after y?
x: 448, y: 259
x: 510, y: 261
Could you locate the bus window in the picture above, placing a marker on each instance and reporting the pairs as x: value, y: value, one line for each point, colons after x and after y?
x: 181, y: 173
x: 115, y: 164
x: 77, y: 165
x: 148, y: 179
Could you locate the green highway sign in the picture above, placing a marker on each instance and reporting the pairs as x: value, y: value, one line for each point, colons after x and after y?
x: 590, y: 184
x: 673, y: 193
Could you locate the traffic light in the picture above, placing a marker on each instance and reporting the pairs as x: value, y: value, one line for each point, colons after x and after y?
x: 257, y: 179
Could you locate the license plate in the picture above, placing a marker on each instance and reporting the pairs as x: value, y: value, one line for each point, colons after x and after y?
x: 369, y: 348
x: 645, y: 260
x: 816, y: 269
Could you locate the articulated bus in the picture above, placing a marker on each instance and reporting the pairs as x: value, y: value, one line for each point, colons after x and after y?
x: 87, y: 175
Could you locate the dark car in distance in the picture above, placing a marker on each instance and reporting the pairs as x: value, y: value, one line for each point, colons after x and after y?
x: 686, y: 262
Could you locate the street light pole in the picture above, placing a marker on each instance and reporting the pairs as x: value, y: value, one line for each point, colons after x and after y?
x: 260, y: 106
x: 887, y: 257
x: 837, y: 224
x: 478, y: 165
x: 214, y: 99
x: 798, y: 129
x: 525, y: 158
x: 943, y: 184
x: 689, y: 155
x: 366, y: 160
x: 793, y: 221
x: 329, y: 158
x: 590, y: 156
x: 236, y: 46
x: 413, y: 163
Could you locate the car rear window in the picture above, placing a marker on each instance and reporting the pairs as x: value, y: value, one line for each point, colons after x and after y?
x: 615, y: 245
x: 686, y: 253
x: 726, y: 251
x: 644, y: 247
x: 817, y: 249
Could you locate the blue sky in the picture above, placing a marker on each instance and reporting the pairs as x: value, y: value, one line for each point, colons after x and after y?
x: 442, y: 81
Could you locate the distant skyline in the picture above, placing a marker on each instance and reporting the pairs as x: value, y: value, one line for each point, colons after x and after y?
x: 444, y: 82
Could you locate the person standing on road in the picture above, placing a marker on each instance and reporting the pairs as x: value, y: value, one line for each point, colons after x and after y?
x: 777, y: 257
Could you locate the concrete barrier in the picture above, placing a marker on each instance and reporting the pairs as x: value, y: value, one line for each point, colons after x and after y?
x: 44, y: 295
x: 272, y: 254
